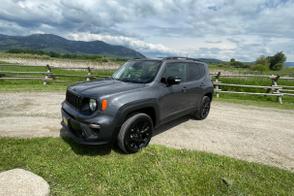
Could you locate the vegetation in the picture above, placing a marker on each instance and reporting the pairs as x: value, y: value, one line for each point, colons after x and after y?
x: 99, y: 58
x: 263, y: 64
x: 157, y: 170
x: 238, y: 64
x: 259, y: 101
x: 274, y: 63
x: 277, y: 61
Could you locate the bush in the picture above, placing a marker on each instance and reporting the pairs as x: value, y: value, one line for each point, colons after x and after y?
x: 277, y: 61
x: 262, y: 60
x: 277, y: 66
x: 259, y: 67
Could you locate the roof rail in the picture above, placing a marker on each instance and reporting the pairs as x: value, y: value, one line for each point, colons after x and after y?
x: 179, y: 58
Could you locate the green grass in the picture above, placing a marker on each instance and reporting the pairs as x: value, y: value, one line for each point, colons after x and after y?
x: 268, y: 102
x: 157, y: 170
x: 42, y: 55
x: 287, y: 71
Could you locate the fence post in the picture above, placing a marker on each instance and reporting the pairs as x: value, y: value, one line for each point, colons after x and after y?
x: 88, y: 78
x: 275, y: 89
x: 47, y: 75
x: 217, y: 87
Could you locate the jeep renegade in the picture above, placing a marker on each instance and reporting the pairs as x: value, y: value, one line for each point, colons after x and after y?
x: 141, y: 95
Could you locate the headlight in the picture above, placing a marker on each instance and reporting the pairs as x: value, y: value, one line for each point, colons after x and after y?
x: 93, y: 105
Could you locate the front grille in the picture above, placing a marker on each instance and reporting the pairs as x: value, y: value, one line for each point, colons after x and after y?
x: 74, y: 99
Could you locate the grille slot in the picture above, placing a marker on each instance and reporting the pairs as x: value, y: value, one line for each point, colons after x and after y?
x: 74, y: 99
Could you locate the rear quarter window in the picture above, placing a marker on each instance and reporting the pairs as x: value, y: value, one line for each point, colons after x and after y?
x: 195, y: 71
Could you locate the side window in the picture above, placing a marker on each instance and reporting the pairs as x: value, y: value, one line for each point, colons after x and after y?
x: 195, y: 71
x: 175, y: 70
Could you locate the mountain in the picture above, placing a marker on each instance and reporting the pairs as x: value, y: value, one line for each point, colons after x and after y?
x: 54, y: 43
x: 210, y: 60
x: 289, y: 64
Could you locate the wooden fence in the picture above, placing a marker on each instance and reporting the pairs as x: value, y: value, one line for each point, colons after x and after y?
x: 271, y: 90
x: 49, y: 75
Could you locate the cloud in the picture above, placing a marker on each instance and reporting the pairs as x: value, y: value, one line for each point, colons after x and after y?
x: 223, y: 29
x: 126, y: 41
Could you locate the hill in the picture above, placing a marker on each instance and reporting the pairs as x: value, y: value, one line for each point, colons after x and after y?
x: 54, y: 43
x: 210, y: 60
x: 289, y: 64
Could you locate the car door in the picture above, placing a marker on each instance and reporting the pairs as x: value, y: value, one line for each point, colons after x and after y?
x: 195, y: 83
x: 173, y: 99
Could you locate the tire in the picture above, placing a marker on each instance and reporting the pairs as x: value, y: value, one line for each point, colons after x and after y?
x: 135, y: 133
x: 204, y: 109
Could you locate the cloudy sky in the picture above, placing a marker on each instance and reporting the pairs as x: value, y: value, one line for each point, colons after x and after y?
x: 242, y: 29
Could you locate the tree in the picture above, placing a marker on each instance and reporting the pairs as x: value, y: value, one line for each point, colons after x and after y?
x: 277, y: 61
x: 235, y: 63
x: 278, y: 66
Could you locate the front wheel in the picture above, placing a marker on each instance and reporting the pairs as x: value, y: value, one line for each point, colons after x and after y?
x: 135, y: 133
x: 204, y: 109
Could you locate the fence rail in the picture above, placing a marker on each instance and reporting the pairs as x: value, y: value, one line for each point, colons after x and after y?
x: 273, y: 90
x: 47, y: 75
x: 276, y: 90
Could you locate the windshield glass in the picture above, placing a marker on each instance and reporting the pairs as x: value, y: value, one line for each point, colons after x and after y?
x: 137, y: 71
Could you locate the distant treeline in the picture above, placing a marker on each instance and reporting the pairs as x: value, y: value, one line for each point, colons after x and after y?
x: 262, y: 63
x: 66, y: 56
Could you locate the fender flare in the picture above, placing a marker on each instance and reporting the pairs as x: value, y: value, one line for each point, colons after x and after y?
x: 136, y: 105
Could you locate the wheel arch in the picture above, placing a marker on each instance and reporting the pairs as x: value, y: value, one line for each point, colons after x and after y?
x: 149, y: 107
x: 209, y: 94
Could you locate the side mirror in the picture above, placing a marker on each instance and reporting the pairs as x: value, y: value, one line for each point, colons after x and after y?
x: 171, y: 80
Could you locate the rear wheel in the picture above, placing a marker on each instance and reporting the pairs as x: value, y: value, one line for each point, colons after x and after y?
x: 204, y: 109
x: 135, y: 133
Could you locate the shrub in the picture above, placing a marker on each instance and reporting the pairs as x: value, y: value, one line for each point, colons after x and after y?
x: 277, y: 61
x: 277, y: 66
x: 237, y: 64
x: 259, y: 67
x: 262, y: 60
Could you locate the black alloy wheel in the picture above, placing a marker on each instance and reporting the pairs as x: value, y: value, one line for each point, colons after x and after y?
x: 135, y: 133
x: 203, y: 110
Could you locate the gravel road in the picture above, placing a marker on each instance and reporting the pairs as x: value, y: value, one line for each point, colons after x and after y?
x: 250, y: 133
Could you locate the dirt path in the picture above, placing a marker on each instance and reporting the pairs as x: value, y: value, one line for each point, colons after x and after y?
x: 251, y: 133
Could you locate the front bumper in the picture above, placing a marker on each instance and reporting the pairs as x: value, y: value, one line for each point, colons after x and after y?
x: 87, y: 131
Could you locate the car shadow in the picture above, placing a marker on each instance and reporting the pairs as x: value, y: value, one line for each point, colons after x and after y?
x: 170, y: 124
x: 85, y: 149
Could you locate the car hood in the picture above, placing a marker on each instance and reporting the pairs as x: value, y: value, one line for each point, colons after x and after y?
x: 103, y: 87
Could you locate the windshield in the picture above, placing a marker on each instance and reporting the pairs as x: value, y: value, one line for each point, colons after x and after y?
x: 137, y: 71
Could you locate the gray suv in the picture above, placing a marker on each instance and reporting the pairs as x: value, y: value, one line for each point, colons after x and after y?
x: 140, y: 96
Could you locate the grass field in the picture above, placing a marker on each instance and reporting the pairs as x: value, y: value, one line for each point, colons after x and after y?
x: 157, y: 170
x: 287, y: 71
